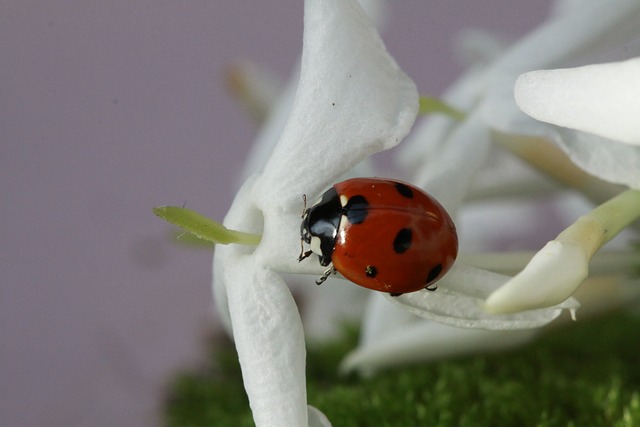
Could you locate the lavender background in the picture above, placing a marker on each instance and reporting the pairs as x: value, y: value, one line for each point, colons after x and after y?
x: 106, y: 110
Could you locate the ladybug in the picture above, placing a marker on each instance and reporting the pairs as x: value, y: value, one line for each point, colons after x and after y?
x: 381, y: 234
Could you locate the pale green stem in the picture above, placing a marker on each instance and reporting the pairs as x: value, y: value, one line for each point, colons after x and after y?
x: 429, y: 105
x: 511, y: 263
x: 603, y: 223
x: 203, y: 227
x: 524, y: 188
x: 551, y: 160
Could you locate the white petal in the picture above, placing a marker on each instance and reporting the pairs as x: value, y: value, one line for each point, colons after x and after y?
x: 317, y: 418
x: 377, y: 11
x: 450, y: 172
x: 551, y: 277
x: 602, y: 99
x: 257, y: 305
x: 430, y: 134
x: 328, y: 307
x: 268, y: 335
x: 242, y: 216
x: 594, y: 26
x: 474, y: 46
x: 609, y: 160
x: 382, y: 318
x: 459, y: 297
x: 220, y: 300
x: 427, y: 341
x: 271, y: 130
x: 352, y: 101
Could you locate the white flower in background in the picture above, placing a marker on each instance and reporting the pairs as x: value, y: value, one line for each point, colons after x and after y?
x: 602, y: 99
x: 447, y: 155
x: 487, y: 97
x: 352, y: 100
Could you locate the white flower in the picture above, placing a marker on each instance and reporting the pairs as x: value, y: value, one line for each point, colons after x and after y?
x: 351, y: 100
x: 492, y: 108
x: 447, y: 155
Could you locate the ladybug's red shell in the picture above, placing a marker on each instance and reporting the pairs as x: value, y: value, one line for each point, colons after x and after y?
x: 390, y: 236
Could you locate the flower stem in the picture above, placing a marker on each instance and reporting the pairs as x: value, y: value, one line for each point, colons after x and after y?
x: 510, y: 263
x: 429, y: 105
x: 603, y: 223
x: 551, y: 160
x: 203, y: 227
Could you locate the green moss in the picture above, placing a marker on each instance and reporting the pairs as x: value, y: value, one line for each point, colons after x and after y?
x: 586, y: 375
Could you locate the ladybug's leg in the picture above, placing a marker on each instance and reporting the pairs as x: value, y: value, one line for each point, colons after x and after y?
x: 432, y: 287
x: 395, y: 294
x: 326, y: 275
x: 303, y: 254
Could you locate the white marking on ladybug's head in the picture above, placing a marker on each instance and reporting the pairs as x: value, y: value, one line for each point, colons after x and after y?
x: 343, y: 200
x: 314, y: 245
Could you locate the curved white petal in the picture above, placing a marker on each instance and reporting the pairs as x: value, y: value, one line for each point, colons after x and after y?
x: 594, y: 26
x: 271, y: 130
x: 268, y: 335
x: 220, y: 300
x: 242, y: 216
x: 603, y: 99
x: 426, y: 341
x: 591, y: 27
x: 459, y: 298
x: 448, y: 175
x: 552, y: 276
x: 352, y: 101
x: 382, y: 318
x: 430, y: 134
x: 609, y: 160
x: 377, y: 11
x: 474, y: 46
x: 317, y: 418
x: 326, y: 308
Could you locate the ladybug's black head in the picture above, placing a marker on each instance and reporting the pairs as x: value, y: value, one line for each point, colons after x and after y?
x: 304, y: 226
x: 320, y: 223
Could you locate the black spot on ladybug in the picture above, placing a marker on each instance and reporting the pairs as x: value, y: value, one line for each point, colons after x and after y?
x: 402, y: 242
x: 435, y: 272
x: 356, y: 209
x: 404, y: 190
x: 371, y: 271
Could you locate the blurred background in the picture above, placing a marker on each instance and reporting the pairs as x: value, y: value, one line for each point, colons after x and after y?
x: 108, y: 109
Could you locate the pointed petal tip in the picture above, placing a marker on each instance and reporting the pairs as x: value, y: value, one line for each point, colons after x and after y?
x: 550, y: 278
x: 601, y: 99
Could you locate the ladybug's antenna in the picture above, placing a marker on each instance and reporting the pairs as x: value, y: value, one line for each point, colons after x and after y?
x: 303, y: 254
x: 304, y: 205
